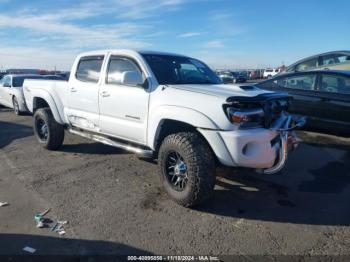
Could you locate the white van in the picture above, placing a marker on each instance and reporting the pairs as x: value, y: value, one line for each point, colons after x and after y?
x: 270, y: 72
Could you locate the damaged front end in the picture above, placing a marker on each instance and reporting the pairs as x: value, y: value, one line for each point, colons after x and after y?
x: 267, y: 111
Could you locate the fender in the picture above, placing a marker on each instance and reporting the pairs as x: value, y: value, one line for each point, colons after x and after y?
x: 43, y: 94
x: 183, y: 114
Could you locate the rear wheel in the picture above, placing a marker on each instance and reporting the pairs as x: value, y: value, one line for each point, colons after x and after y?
x: 48, y: 132
x: 16, y: 106
x: 187, y: 168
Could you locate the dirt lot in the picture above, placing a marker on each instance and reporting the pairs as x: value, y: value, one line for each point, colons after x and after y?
x: 115, y: 204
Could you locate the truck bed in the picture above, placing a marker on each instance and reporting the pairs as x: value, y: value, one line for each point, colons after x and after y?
x: 56, y: 89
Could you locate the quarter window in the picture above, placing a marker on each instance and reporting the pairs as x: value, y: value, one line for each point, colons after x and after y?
x: 89, y: 68
x: 335, y: 84
x: 117, y: 66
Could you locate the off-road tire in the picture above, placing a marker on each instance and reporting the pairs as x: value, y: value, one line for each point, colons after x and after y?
x: 16, y: 106
x: 200, y: 163
x: 55, y: 131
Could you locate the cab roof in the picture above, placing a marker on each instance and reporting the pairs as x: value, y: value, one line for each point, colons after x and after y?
x: 128, y: 51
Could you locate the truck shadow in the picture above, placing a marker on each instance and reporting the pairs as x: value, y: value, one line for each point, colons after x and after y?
x: 313, y: 190
x: 11, y: 131
x: 92, y: 148
x: 63, y: 249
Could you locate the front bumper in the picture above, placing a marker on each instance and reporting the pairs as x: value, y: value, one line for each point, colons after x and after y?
x: 259, y: 148
x: 250, y: 148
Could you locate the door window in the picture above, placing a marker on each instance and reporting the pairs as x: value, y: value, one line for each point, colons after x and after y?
x: 89, y: 69
x: 117, y: 66
x: 306, y: 65
x: 303, y: 82
x: 335, y: 84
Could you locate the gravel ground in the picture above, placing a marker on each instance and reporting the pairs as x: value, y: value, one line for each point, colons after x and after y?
x: 115, y: 203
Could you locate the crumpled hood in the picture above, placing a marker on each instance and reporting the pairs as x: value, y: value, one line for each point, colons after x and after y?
x: 222, y: 90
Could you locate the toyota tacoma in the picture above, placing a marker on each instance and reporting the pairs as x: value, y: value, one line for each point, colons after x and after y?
x: 169, y: 107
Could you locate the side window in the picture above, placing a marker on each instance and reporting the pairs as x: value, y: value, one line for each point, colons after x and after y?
x: 270, y: 84
x: 6, y: 81
x: 335, y: 84
x: 335, y: 59
x: 117, y: 66
x: 306, y: 65
x: 89, y: 69
x: 302, y: 82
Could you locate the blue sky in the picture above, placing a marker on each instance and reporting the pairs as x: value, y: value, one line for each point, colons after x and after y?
x: 223, y: 33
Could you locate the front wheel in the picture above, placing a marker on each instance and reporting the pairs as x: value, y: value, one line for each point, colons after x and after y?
x: 187, y: 168
x: 48, y: 132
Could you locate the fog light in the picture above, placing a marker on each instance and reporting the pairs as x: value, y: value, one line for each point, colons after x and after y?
x: 250, y: 149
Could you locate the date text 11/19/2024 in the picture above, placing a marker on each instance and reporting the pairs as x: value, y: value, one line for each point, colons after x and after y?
x: 173, y: 258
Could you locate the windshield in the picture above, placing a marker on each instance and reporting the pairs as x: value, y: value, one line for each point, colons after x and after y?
x: 18, y: 80
x: 180, y: 70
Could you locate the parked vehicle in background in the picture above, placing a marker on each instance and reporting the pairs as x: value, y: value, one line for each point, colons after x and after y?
x: 270, y: 72
x: 166, y: 106
x: 229, y: 77
x: 2, y: 74
x: 11, y: 90
x: 256, y: 74
x: 245, y: 74
x: 64, y: 75
x: 54, y: 77
x: 336, y: 60
x: 323, y: 96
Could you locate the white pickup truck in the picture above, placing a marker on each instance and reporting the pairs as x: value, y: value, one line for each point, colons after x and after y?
x: 169, y: 107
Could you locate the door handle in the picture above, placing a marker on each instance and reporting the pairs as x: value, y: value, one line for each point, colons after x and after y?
x: 105, y: 94
x: 73, y: 89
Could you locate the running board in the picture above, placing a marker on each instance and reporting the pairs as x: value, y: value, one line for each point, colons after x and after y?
x: 110, y: 142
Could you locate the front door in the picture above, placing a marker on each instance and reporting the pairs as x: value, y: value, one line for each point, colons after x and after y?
x: 123, y: 109
x: 83, y: 110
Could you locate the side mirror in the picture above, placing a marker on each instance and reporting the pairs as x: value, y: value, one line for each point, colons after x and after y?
x: 131, y: 78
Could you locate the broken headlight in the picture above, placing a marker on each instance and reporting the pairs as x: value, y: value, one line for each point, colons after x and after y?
x: 246, y: 118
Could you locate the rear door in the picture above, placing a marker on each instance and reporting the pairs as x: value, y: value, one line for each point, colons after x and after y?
x: 335, y: 95
x: 83, y: 108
